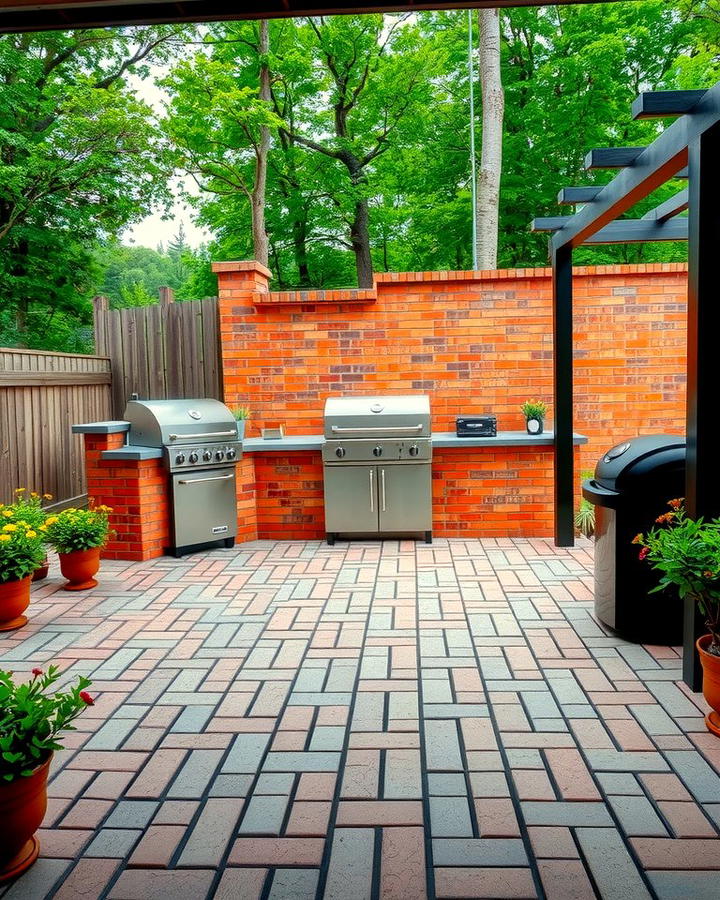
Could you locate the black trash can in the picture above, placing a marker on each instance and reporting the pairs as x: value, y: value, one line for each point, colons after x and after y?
x: 633, y: 482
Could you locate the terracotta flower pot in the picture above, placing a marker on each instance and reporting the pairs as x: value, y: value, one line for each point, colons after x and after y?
x: 41, y: 571
x: 711, y: 682
x: 78, y: 567
x: 22, y: 808
x: 14, y: 600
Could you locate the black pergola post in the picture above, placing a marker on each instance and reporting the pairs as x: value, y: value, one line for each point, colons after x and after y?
x: 702, y: 484
x: 563, y: 395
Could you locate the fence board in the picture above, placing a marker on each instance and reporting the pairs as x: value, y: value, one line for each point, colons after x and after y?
x: 41, y: 395
x: 167, y: 350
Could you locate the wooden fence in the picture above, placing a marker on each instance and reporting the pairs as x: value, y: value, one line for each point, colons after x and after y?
x: 41, y: 396
x: 167, y: 350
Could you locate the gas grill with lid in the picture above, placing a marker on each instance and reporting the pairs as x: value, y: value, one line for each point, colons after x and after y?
x: 376, y: 465
x: 200, y: 448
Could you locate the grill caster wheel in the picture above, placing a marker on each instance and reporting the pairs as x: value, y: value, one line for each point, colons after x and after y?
x: 330, y: 537
x: 229, y: 542
x: 428, y: 537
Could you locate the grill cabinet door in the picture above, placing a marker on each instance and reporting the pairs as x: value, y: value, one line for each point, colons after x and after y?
x: 204, y: 507
x: 405, y: 498
x: 351, y: 500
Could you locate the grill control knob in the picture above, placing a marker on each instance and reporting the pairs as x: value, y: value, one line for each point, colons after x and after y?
x: 340, y: 452
x: 207, y: 456
x: 193, y: 457
x: 231, y: 454
x: 414, y: 450
x: 180, y: 459
x: 219, y: 454
x: 377, y: 451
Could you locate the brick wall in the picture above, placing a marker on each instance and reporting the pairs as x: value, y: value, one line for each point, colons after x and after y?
x: 475, y: 342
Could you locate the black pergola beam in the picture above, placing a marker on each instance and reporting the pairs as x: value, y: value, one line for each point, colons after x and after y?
x: 572, y: 195
x: 659, y: 104
x: 702, y: 485
x: 563, y: 458
x: 662, y: 160
x: 672, y: 207
x: 624, y: 231
x: 612, y: 157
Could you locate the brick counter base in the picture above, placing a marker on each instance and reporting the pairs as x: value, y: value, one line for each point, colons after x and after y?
x: 477, y: 492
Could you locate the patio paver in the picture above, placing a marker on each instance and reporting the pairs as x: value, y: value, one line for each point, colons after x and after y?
x: 385, y: 719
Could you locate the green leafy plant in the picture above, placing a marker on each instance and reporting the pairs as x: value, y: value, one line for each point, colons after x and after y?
x: 686, y: 553
x: 21, y: 550
x: 534, y: 409
x: 32, y: 720
x: 585, y: 518
x: 241, y: 413
x: 78, y: 529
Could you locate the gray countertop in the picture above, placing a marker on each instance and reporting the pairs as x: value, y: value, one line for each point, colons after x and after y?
x: 295, y: 442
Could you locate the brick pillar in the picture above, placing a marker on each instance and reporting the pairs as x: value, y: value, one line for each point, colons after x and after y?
x: 137, y: 491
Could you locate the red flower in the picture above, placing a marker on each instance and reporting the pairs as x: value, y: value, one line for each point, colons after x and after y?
x: 677, y: 503
x: 37, y: 672
x: 643, y: 553
x: 86, y: 698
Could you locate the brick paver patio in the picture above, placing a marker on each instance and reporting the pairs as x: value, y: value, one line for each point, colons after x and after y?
x: 388, y: 720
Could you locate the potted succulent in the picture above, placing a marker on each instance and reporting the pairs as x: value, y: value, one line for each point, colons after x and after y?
x: 31, y: 723
x: 21, y: 552
x: 78, y: 535
x: 28, y: 507
x: 241, y: 415
x: 686, y: 553
x: 534, y: 412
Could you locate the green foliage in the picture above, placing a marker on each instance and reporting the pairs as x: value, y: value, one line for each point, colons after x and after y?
x: 534, y: 409
x: 32, y: 720
x: 585, y: 518
x: 686, y: 553
x: 21, y: 549
x: 78, y: 529
x: 241, y: 413
x: 27, y: 507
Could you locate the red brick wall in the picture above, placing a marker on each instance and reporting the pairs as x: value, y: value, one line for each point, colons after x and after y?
x: 475, y: 342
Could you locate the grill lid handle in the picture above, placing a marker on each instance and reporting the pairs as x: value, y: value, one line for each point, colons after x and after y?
x: 202, y: 434
x: 370, y: 429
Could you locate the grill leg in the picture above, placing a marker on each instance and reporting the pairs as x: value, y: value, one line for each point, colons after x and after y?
x: 229, y: 542
x: 331, y: 537
x: 428, y: 537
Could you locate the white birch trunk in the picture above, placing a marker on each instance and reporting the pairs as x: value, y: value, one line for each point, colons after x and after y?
x: 493, y: 108
x: 260, y: 238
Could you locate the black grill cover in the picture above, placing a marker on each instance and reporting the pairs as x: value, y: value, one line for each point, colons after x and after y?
x: 635, y: 465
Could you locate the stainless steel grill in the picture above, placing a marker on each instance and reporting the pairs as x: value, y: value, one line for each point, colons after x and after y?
x: 200, y: 446
x: 376, y: 465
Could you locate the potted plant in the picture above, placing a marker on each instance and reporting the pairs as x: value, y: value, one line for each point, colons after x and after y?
x: 534, y: 412
x: 31, y: 722
x: 78, y: 536
x: 21, y: 552
x: 686, y: 553
x: 241, y: 415
x: 28, y: 507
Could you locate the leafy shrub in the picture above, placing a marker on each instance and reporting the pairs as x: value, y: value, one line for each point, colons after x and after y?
x: 21, y: 550
x: 78, y: 529
x: 31, y: 720
x: 534, y: 409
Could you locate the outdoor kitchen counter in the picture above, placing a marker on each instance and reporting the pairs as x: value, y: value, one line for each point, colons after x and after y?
x: 442, y: 439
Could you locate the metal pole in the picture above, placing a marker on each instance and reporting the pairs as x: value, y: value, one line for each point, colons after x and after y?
x: 473, y: 174
x: 563, y: 395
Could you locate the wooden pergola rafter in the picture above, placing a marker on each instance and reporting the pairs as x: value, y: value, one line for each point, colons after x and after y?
x: 690, y: 147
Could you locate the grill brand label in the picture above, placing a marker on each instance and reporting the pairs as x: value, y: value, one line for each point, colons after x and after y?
x: 219, y: 529
x: 194, y: 413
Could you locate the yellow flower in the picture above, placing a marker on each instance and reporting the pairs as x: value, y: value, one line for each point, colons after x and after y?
x: 4, y: 538
x: 47, y: 496
x: 34, y: 494
x: 43, y: 528
x: 31, y: 533
x: 51, y: 520
x: 7, y: 513
x: 10, y: 527
x: 19, y: 490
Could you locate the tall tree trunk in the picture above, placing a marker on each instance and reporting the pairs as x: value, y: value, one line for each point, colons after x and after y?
x: 493, y: 108
x: 260, y: 238
x: 360, y: 239
x: 299, y: 229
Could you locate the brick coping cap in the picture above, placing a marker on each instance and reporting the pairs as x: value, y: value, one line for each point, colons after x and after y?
x: 539, y: 272
x: 241, y: 266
